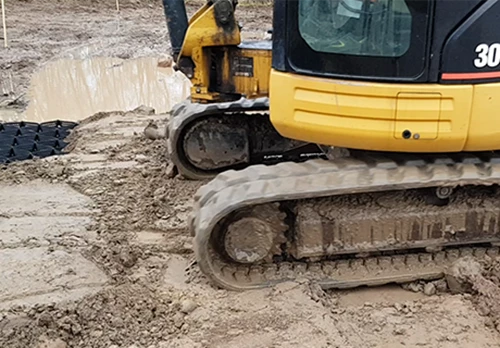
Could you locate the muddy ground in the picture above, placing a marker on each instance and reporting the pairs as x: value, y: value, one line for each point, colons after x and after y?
x: 94, y: 250
x: 44, y: 31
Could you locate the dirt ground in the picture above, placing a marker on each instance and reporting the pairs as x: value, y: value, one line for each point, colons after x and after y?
x: 94, y: 250
x: 44, y: 31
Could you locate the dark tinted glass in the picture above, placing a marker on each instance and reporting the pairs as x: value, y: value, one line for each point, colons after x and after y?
x: 356, y: 27
x: 359, y: 38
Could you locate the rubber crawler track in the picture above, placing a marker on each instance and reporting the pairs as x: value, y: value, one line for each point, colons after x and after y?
x: 187, y: 112
x: 260, y: 184
x: 21, y: 141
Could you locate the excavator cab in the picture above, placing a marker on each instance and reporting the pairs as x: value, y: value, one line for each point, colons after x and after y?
x: 387, y: 75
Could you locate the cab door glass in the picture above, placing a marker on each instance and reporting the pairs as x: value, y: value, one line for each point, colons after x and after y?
x: 356, y: 27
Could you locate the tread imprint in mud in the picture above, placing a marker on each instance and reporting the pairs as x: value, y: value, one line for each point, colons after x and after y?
x: 261, y: 184
x: 21, y: 141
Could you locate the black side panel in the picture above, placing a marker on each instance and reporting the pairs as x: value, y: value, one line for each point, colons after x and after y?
x: 472, y: 53
x: 279, y: 35
x: 446, y: 24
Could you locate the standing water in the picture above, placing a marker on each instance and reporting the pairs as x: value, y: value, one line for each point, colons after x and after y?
x: 71, y: 90
x: 74, y: 89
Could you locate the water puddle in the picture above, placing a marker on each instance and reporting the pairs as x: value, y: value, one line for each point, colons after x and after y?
x: 10, y: 115
x: 74, y: 89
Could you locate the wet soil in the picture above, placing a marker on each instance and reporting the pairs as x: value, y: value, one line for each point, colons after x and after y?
x: 94, y: 250
x: 482, y: 279
x: 123, y: 276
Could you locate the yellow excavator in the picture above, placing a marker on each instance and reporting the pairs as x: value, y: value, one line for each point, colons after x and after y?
x: 355, y: 148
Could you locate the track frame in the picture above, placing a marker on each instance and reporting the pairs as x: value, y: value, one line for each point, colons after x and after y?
x: 260, y: 184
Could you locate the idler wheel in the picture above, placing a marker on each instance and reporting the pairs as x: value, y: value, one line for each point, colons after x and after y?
x: 256, y: 235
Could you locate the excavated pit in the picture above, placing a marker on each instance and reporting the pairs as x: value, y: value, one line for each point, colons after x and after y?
x: 71, y: 89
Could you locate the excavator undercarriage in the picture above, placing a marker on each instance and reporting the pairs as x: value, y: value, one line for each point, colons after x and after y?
x: 364, y: 220
x: 206, y: 139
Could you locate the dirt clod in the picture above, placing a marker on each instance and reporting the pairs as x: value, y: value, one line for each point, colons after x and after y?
x: 127, y: 258
x: 468, y: 275
x: 152, y: 131
x: 414, y: 286
x: 165, y: 62
x: 462, y: 273
x: 429, y: 289
x: 187, y: 306
x: 441, y: 285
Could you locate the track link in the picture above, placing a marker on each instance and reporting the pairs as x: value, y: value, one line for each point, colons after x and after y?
x: 187, y: 116
x: 21, y: 141
x: 234, y: 190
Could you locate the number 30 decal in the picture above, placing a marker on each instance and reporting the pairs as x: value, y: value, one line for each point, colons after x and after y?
x: 487, y: 55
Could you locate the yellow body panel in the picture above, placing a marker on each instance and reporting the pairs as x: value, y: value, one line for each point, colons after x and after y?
x: 203, y: 32
x: 202, y: 36
x: 375, y: 116
x: 199, y: 13
x: 484, y: 130
x: 257, y: 84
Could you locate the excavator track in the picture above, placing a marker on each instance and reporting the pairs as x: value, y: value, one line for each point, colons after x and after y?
x: 204, y: 140
x: 255, y: 227
x: 20, y: 141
